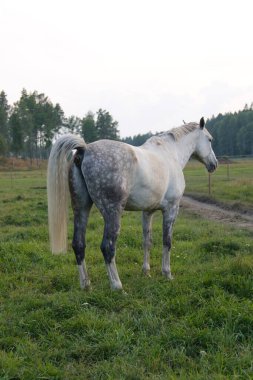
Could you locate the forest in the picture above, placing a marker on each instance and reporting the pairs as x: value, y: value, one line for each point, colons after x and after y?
x: 232, y: 133
x: 29, y: 127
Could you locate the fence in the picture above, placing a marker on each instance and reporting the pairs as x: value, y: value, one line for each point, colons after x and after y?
x: 236, y: 171
x: 12, y: 164
x: 233, y: 172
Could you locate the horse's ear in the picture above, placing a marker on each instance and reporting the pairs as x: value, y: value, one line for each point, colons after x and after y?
x: 202, y: 123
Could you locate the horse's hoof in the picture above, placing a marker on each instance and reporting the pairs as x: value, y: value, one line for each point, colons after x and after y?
x: 116, y: 286
x: 85, y: 285
x: 168, y: 275
x: 146, y: 271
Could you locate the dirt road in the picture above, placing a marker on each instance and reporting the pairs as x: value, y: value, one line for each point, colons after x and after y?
x: 210, y: 211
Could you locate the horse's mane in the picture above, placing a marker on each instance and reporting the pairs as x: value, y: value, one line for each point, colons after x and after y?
x: 181, y: 131
x: 178, y: 132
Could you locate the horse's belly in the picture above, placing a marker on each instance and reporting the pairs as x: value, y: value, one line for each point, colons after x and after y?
x: 141, y: 207
x: 143, y: 202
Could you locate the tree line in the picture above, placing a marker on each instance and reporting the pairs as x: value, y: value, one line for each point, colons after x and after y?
x: 232, y: 133
x: 29, y: 126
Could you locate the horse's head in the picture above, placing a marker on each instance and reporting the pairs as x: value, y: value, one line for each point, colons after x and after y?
x: 204, y: 152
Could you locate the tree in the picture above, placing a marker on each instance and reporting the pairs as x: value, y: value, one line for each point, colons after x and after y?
x: 245, y: 139
x: 88, y: 129
x: 232, y: 132
x: 4, y: 130
x: 73, y: 124
x: 246, y: 107
x: 3, y: 146
x: 137, y: 140
x: 16, y: 133
x: 34, y: 121
x: 105, y: 126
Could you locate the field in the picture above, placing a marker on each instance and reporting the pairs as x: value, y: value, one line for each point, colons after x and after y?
x: 198, y: 326
x: 231, y: 184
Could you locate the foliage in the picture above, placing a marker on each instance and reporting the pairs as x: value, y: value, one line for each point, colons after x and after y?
x: 106, y: 126
x: 29, y: 127
x: 3, y: 145
x: 137, y: 140
x: 4, y: 113
x: 33, y: 122
x: 101, y: 127
x: 73, y: 124
x: 232, y: 132
x: 89, y: 131
x: 197, y: 327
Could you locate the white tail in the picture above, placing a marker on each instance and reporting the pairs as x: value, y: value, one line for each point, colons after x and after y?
x: 59, y: 163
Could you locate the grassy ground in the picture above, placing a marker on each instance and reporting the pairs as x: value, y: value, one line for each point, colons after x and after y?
x: 232, y: 185
x: 197, y: 327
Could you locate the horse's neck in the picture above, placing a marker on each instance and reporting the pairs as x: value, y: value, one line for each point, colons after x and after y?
x: 185, y: 147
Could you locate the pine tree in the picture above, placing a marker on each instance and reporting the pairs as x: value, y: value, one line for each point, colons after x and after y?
x: 106, y: 126
x: 33, y: 123
x: 89, y: 131
x: 4, y: 127
x: 74, y: 124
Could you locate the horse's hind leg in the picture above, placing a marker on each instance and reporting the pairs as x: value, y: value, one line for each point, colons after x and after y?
x: 169, y: 217
x: 81, y: 204
x: 78, y: 244
x: 108, y: 246
x: 147, y: 217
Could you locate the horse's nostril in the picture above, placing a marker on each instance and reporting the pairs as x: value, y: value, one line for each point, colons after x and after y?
x: 212, y: 168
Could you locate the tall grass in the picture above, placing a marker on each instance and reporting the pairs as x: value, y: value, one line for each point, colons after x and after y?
x: 198, y: 326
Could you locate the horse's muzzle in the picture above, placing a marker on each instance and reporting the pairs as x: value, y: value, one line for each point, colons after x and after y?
x: 211, y: 167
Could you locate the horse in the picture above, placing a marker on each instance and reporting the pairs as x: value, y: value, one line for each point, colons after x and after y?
x: 116, y: 176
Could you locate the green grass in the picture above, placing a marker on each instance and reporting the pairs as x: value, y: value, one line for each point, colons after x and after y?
x: 198, y: 326
x: 234, y: 188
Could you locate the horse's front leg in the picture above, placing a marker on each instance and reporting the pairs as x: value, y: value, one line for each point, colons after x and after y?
x: 169, y: 217
x: 147, y: 217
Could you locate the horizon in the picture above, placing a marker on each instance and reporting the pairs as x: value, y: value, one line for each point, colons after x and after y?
x: 138, y: 133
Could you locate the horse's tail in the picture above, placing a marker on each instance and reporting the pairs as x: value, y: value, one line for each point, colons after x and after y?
x: 59, y: 163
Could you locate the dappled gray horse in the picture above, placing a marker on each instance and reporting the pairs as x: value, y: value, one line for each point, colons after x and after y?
x: 117, y: 176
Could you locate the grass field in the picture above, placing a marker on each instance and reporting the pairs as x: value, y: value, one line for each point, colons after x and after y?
x: 198, y: 326
x: 231, y: 185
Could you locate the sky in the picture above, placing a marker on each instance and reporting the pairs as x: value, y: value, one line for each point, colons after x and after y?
x: 150, y: 63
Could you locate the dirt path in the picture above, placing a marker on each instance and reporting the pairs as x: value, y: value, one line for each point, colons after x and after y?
x: 210, y: 211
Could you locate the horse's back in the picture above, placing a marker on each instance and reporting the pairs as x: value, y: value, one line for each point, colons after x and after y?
x: 110, y: 156
x: 137, y: 178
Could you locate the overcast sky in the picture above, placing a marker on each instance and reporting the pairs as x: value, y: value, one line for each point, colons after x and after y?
x: 150, y: 63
